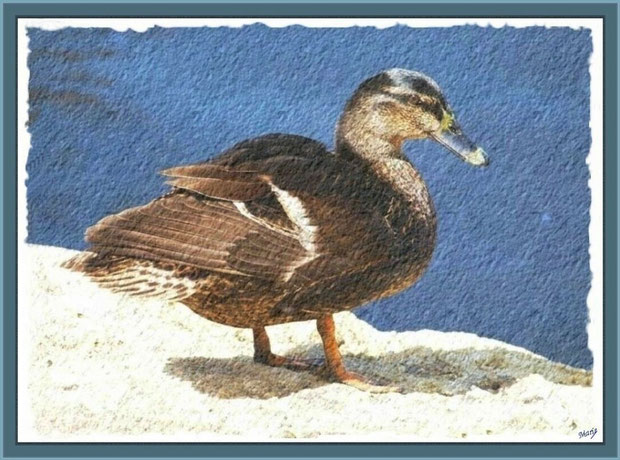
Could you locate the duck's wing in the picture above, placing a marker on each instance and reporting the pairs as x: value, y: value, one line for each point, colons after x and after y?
x: 255, y: 213
x: 189, y: 230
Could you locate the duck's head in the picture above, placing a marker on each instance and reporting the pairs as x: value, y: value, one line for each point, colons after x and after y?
x: 398, y: 105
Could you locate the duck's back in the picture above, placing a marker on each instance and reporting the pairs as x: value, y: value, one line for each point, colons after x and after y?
x: 270, y: 146
x: 275, y: 229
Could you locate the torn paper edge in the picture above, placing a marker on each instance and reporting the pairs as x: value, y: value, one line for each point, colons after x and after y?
x: 594, y: 161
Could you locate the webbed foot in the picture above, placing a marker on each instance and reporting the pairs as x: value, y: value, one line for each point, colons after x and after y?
x: 360, y: 382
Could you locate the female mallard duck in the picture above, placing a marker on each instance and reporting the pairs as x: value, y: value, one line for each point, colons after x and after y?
x: 280, y: 229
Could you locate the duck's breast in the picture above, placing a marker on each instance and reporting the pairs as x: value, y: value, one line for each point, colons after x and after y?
x: 410, y: 214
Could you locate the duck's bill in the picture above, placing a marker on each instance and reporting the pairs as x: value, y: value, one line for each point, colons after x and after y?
x: 459, y: 144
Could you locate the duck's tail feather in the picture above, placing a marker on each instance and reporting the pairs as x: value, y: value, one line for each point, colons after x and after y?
x: 135, y: 277
x: 80, y: 262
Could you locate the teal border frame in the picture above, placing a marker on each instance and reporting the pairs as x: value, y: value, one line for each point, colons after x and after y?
x: 11, y: 11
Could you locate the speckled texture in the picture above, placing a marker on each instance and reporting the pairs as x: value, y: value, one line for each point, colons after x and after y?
x: 121, y: 368
x: 110, y: 109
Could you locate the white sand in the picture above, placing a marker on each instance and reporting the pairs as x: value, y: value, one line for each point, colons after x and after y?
x: 98, y: 366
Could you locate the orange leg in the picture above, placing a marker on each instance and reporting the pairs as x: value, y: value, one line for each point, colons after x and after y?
x: 333, y: 360
x: 263, y: 354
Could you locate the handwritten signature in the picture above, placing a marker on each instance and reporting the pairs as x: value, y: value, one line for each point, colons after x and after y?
x: 589, y: 433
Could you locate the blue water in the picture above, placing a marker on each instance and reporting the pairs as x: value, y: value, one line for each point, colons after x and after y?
x: 110, y: 109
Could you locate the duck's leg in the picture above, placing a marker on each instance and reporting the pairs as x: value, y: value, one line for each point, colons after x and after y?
x: 333, y: 360
x: 263, y: 354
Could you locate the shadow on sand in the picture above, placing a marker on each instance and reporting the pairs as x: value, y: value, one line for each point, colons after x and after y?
x: 419, y: 369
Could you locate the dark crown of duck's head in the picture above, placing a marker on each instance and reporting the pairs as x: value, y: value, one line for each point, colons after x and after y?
x: 402, y: 104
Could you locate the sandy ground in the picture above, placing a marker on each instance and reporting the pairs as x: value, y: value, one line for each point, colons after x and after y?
x: 94, y: 365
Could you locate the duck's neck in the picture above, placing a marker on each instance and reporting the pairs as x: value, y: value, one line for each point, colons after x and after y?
x: 355, y: 140
x: 359, y: 136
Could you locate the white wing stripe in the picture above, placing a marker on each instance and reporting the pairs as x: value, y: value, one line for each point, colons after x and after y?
x: 296, y: 212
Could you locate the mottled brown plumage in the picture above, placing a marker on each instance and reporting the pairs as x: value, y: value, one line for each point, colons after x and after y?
x: 279, y: 229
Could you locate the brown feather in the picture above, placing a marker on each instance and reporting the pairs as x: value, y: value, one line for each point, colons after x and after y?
x: 207, y: 170
x: 218, y: 182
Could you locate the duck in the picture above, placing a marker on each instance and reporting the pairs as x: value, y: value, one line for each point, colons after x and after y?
x: 279, y: 228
